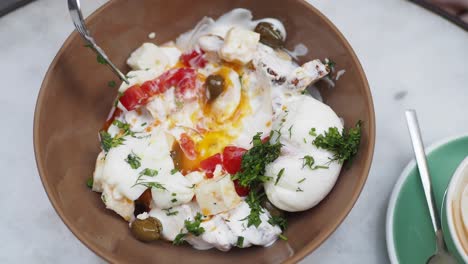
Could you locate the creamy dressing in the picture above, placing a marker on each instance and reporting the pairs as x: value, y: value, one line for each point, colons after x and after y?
x: 263, y: 92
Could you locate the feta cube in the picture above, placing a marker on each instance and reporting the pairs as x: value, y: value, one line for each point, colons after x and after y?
x: 239, y: 45
x: 148, y: 56
x: 217, y: 195
x: 307, y: 74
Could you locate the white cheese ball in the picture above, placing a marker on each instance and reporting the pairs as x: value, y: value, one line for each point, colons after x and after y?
x: 300, y: 187
x: 148, y: 56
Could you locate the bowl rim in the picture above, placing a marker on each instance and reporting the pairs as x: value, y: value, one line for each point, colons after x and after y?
x: 457, y: 175
x: 308, y: 248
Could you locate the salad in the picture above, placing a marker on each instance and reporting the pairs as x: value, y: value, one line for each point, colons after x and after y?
x: 216, y: 137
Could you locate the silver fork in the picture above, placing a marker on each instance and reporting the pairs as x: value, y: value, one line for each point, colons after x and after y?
x: 77, y: 17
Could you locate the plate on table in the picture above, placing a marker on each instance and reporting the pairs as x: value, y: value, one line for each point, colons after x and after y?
x: 409, y: 233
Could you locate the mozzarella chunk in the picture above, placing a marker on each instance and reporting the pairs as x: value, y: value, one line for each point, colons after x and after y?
x: 218, y: 234
x: 138, y: 77
x: 306, y: 75
x: 177, y: 190
x: 116, y: 202
x: 210, y: 43
x: 172, y: 54
x: 301, y: 187
x: 195, y: 177
x: 153, y: 152
x: 226, y: 103
x: 173, y: 224
x: 240, y: 45
x: 148, y: 56
x: 263, y: 235
x: 98, y: 175
x: 216, y: 195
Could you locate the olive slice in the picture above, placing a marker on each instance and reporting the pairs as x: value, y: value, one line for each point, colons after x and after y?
x: 215, y: 85
x: 269, y: 35
x: 146, y: 230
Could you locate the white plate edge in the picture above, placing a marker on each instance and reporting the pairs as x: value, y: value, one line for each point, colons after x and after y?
x: 396, y: 190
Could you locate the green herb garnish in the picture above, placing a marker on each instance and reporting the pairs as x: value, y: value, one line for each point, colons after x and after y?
x: 253, y: 200
x: 299, y: 189
x: 313, y: 132
x: 169, y: 212
x: 283, y: 237
x: 309, y: 161
x: 290, y: 131
x: 108, y: 142
x: 90, y: 182
x: 279, y: 221
x: 302, y: 180
x: 253, y: 164
x: 278, y: 177
x: 100, y: 59
x: 111, y: 84
x: 344, y: 146
x: 174, y: 171
x: 134, y: 161
x: 193, y: 227
x: 240, y: 241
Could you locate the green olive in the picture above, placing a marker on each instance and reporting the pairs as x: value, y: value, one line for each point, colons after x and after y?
x: 269, y: 35
x: 215, y: 85
x: 146, y: 230
x: 274, y: 211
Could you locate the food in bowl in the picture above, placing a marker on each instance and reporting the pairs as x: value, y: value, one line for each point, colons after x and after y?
x: 215, y: 137
x: 457, y: 208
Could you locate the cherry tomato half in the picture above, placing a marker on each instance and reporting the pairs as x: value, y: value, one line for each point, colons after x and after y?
x: 209, y: 164
x: 241, y: 190
x: 133, y: 97
x: 232, y: 159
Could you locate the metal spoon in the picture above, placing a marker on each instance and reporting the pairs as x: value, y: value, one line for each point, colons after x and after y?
x: 441, y: 256
x: 77, y: 17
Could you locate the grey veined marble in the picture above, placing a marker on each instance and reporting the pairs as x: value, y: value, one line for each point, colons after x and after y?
x: 412, y: 59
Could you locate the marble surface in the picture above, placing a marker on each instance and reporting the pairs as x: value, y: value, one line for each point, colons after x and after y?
x: 412, y: 59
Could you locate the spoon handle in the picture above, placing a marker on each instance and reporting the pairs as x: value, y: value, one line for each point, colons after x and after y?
x: 420, y: 155
x: 78, y: 21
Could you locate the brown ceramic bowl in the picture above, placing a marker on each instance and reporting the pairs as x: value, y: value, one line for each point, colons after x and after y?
x: 74, y: 101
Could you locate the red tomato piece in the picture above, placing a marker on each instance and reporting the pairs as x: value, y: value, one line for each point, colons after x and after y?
x: 209, y: 164
x: 241, y: 190
x: 194, y: 59
x: 265, y: 139
x: 133, y: 97
x: 151, y: 87
x: 232, y: 159
x: 188, y: 146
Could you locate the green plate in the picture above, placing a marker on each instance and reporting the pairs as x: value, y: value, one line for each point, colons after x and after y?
x: 410, y: 237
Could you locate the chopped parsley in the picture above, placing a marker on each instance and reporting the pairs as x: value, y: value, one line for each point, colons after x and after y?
x: 278, y: 177
x: 108, y: 142
x: 89, y: 182
x: 149, y: 184
x: 133, y: 160
x: 313, y: 132
x: 253, y: 164
x: 304, y: 140
x: 302, y: 180
x: 193, y: 227
x: 149, y: 172
x: 169, y: 212
x: 100, y: 59
x: 299, y: 189
x: 174, y: 200
x: 174, y: 171
x: 344, y: 145
x: 240, y: 241
x: 111, y: 84
x: 173, y: 194
x: 253, y: 200
x: 290, y: 130
x: 123, y: 126
x: 144, y: 124
x: 278, y: 221
x: 330, y: 65
x: 309, y: 161
x: 283, y: 237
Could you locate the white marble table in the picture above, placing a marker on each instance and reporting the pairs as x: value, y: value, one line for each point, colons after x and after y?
x: 412, y: 59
